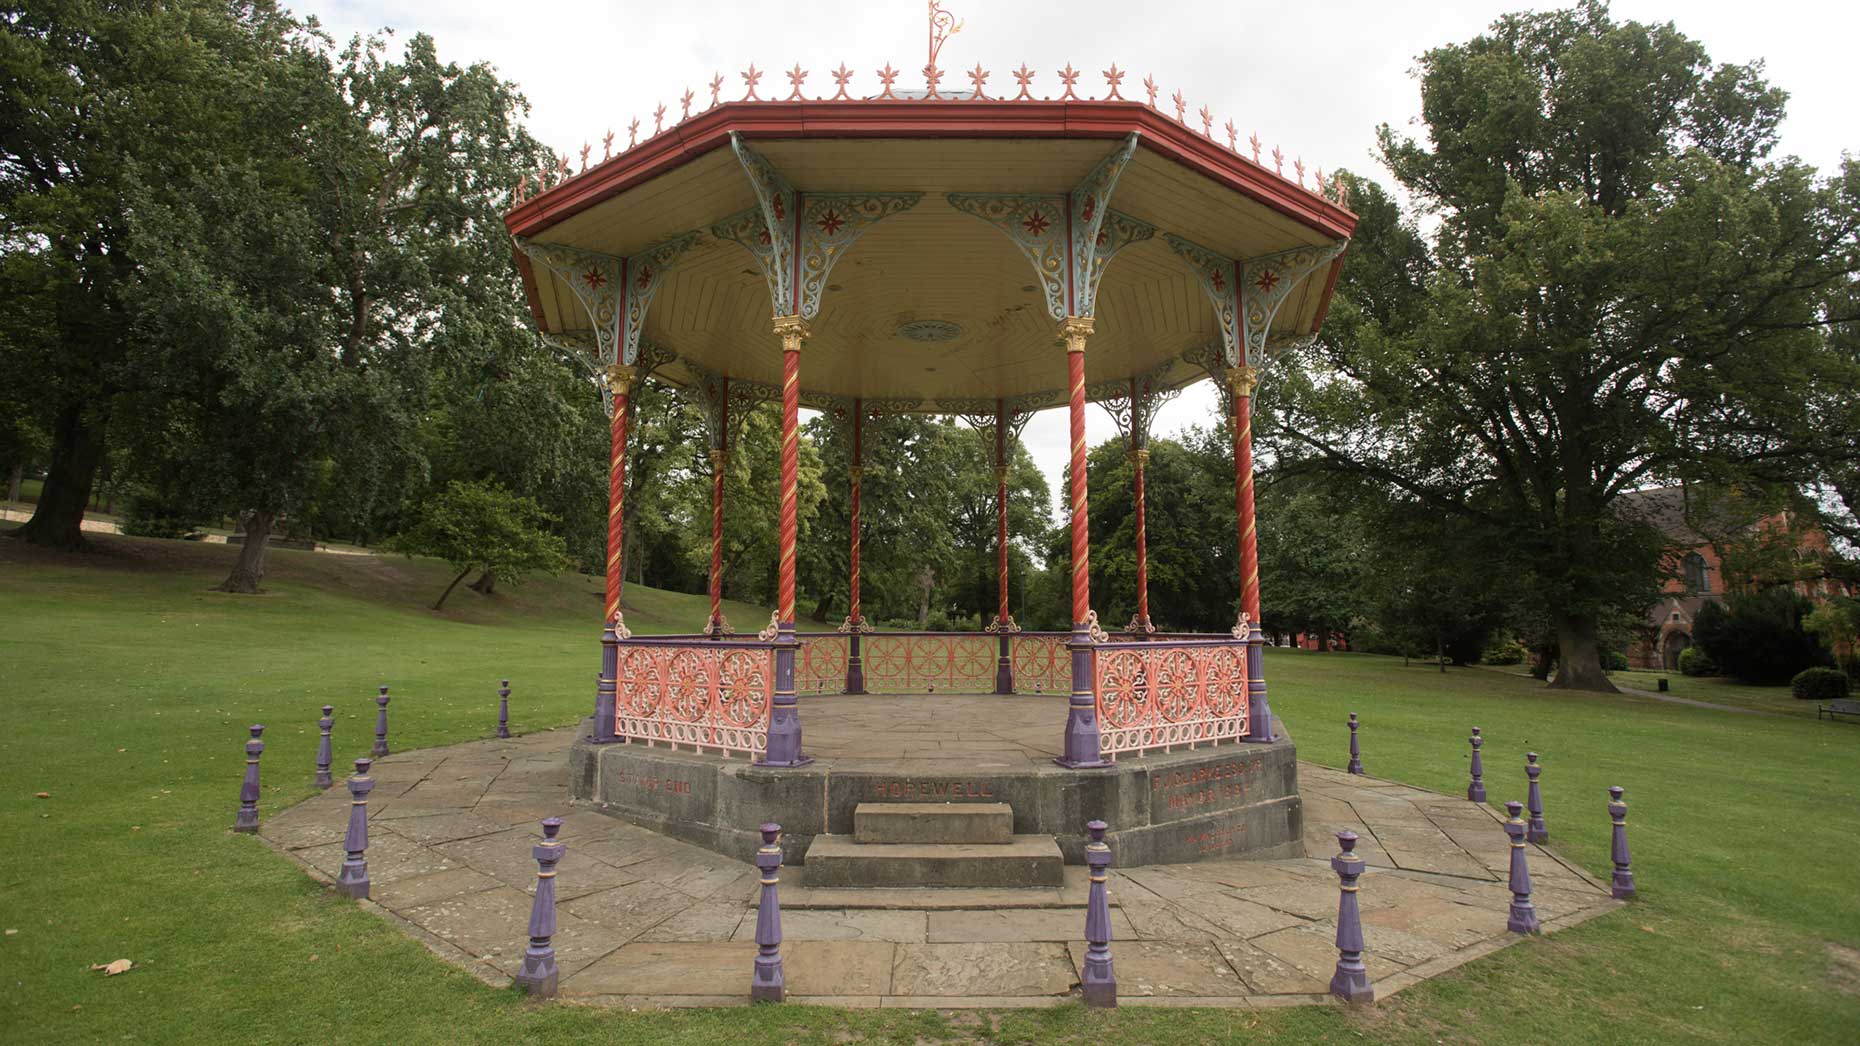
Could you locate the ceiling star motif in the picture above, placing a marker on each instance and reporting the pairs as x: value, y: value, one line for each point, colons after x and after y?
x: 1246, y: 307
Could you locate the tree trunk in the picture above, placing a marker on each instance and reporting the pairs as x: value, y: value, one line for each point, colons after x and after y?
x: 449, y: 588
x: 485, y: 585
x: 249, y: 569
x: 925, y: 582
x: 1579, y: 664
x: 1440, y: 654
x: 14, y: 480
x: 1323, y: 638
x: 77, y: 448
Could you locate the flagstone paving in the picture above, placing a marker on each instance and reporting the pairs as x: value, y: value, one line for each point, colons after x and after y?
x: 644, y: 919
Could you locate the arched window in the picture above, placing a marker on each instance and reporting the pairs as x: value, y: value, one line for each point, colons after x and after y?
x: 1698, y: 575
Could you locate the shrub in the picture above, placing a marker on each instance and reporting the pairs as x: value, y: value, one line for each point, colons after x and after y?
x: 1760, y: 637
x: 1614, y: 661
x: 147, y: 516
x: 1820, y: 684
x: 1504, y: 652
x: 1695, y: 662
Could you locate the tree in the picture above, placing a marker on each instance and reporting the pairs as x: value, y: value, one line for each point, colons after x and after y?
x: 1760, y: 636
x: 1621, y: 290
x: 98, y: 95
x: 1314, y: 549
x: 483, y: 527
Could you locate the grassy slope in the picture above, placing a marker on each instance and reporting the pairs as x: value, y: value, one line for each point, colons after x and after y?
x: 128, y: 685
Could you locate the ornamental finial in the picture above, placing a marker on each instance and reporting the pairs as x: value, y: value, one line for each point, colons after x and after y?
x: 632, y: 133
x: 1113, y: 76
x: 1069, y: 76
x: 564, y: 163
x: 1149, y: 85
x: 585, y: 150
x: 796, y: 76
x: 1253, y: 140
x: 1181, y: 108
x: 1299, y: 166
x: 1278, y: 162
x: 685, y: 113
x: 607, y: 145
x: 716, y: 88
x: 1025, y: 76
x: 751, y: 77
x: 885, y: 78
x: 523, y: 186
x: 840, y: 77
x: 1207, y: 123
x: 978, y: 76
x: 658, y: 118
x: 932, y: 77
x: 1231, y: 134
x: 943, y: 25
x: 1318, y: 181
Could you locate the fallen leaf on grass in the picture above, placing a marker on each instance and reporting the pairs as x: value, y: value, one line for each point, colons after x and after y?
x: 41, y: 795
x: 111, y: 969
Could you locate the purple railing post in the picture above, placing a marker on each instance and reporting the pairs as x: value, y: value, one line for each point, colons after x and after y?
x: 1356, y: 754
x: 352, y: 879
x: 1082, y: 746
x: 767, y: 984
x: 1623, y: 886
x: 247, y: 820
x: 538, y: 974
x: 1475, y: 791
x: 503, y: 709
x: 1259, y: 725
x: 381, y: 745
x: 1535, y: 830
x: 606, y: 686
x: 323, y: 757
x: 1523, y: 916
x: 1099, y: 983
x: 1350, y: 982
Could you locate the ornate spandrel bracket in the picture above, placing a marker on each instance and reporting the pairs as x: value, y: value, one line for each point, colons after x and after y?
x: 1070, y: 238
x: 578, y: 347
x: 1240, y: 379
x: 798, y: 237
x: 615, y: 292
x: 727, y: 401
x: 1247, y: 294
x: 982, y: 414
x: 1133, y: 402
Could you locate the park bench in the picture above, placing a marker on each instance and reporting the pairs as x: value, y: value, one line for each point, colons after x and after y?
x: 1837, y: 709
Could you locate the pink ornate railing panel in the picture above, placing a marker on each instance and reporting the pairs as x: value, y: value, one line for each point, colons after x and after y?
x: 820, y: 667
x: 923, y: 662
x: 698, y: 692
x: 1162, y: 693
x: 1042, y: 662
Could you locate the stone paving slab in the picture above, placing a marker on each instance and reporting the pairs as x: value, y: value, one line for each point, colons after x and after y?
x: 648, y: 920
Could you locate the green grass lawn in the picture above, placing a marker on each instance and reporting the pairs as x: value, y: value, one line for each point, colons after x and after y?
x: 127, y: 687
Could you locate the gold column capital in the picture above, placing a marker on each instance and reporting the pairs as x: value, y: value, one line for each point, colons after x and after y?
x: 620, y: 378
x: 1245, y: 379
x: 1073, y: 330
x: 1140, y: 457
x: 792, y: 330
x: 1001, y: 474
x: 855, y: 472
x: 719, y: 458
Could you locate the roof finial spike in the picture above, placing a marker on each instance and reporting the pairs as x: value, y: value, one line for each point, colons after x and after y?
x: 885, y: 78
x: 632, y: 133
x: 1253, y: 140
x: 585, y: 150
x: 796, y: 76
x: 716, y: 88
x: 607, y: 145
x: 1025, y: 76
x: 1231, y: 136
x: 932, y: 77
x: 658, y: 118
x: 1181, y: 108
x: 1207, y: 123
x: 1278, y: 162
x: 1114, y: 76
x: 1069, y: 76
x: 840, y: 77
x: 685, y: 113
x: 751, y: 77
x: 1318, y: 180
x: 1149, y: 85
x: 1299, y: 166
x: 979, y: 76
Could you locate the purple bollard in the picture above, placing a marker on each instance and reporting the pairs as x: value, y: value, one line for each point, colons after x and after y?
x: 324, y: 725
x: 1356, y: 754
x: 538, y: 974
x: 247, y: 820
x: 503, y: 709
x: 1099, y: 983
x: 1623, y: 886
x: 1535, y: 831
x: 352, y: 878
x: 381, y: 746
x: 768, y: 985
x: 1475, y: 791
x: 1351, y: 981
x: 1523, y: 917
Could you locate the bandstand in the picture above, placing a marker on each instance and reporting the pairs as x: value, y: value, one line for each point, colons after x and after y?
x: 949, y: 252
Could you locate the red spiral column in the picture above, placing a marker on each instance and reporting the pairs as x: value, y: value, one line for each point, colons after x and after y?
x: 1081, y: 742
x: 613, y: 628
x: 1141, y: 623
x: 855, y: 619
x: 1259, y: 713
x: 784, y: 746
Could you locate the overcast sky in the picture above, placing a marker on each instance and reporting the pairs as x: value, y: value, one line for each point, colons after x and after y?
x: 1316, y: 78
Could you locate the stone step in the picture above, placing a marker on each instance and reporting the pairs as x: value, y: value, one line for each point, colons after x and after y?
x: 976, y: 823
x: 1024, y: 860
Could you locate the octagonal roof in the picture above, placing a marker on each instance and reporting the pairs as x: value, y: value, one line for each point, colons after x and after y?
x: 930, y: 305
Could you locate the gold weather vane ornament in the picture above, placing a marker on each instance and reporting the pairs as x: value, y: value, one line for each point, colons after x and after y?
x: 943, y: 25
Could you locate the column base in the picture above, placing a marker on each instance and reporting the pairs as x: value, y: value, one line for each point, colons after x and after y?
x: 784, y: 748
x: 538, y: 975
x: 1351, y: 982
x: 1098, y: 986
x: 1523, y: 918
x: 352, y: 880
x: 1622, y: 888
x: 768, y: 985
